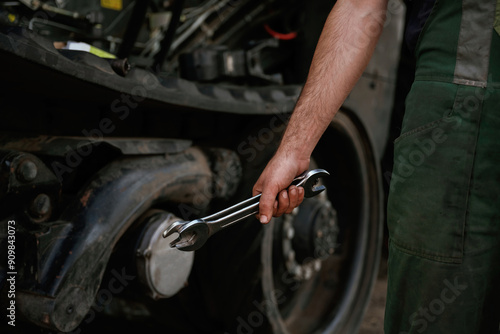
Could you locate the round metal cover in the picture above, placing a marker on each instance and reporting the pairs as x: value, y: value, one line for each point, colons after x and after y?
x: 162, y: 269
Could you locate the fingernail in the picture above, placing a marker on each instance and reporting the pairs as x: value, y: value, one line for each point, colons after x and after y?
x: 284, y: 194
x: 301, y: 190
x: 263, y: 219
x: 293, y: 191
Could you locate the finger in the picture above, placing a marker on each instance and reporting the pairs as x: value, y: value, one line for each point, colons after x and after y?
x: 283, y: 203
x: 257, y: 188
x: 301, y: 195
x: 293, y: 194
x: 266, y: 207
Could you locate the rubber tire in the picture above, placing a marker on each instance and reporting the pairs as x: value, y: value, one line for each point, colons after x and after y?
x: 355, y: 191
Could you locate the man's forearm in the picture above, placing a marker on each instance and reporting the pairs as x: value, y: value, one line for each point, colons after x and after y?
x: 343, y: 51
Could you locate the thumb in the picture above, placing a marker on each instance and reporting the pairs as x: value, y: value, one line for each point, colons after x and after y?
x: 266, y: 205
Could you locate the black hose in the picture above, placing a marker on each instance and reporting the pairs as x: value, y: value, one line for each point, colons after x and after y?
x: 133, y: 28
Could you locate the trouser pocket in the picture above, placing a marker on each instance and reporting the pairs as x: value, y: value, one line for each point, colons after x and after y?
x: 433, y: 161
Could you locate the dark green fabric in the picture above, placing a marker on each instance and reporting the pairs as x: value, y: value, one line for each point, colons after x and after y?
x: 444, y: 200
x: 444, y: 214
x: 494, y: 79
x: 497, y: 18
x: 433, y: 160
x: 436, y: 55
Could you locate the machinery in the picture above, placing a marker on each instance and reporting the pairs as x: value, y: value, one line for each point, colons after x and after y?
x: 119, y: 118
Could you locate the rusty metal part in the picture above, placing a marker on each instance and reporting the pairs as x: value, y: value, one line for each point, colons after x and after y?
x: 27, y: 171
x: 41, y: 206
x: 73, y: 254
x: 27, y: 185
x: 120, y: 66
x: 194, y: 234
x: 227, y: 170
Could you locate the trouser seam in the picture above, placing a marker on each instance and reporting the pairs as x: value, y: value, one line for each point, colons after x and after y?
x: 409, y: 251
x: 471, y: 174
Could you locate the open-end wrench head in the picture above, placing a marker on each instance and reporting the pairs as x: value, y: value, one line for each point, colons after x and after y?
x: 193, y: 236
x: 173, y: 228
x: 310, y: 183
x: 184, y: 238
x: 185, y: 242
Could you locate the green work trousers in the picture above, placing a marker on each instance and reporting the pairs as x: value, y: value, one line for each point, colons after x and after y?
x: 444, y: 203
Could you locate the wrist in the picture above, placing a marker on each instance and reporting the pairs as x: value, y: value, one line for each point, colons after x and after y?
x: 297, y: 155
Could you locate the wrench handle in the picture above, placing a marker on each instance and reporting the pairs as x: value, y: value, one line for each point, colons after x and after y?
x: 246, y: 208
x: 232, y: 214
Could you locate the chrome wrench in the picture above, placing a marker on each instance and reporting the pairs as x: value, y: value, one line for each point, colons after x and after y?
x: 194, y: 234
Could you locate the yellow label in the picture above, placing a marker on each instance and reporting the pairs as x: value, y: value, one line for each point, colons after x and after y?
x: 112, y: 4
x: 101, y: 53
x: 11, y: 17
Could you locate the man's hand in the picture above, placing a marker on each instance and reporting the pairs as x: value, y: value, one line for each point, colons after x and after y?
x: 273, y: 183
x: 345, y: 47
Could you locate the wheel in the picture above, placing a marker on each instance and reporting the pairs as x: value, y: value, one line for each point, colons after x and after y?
x: 320, y: 263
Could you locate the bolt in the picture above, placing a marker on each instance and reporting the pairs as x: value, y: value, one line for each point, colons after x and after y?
x: 317, y: 265
x: 297, y: 271
x: 291, y: 256
x: 40, y: 206
x: 27, y: 171
x: 69, y: 309
x: 307, y: 273
x: 320, y: 253
x: 120, y: 66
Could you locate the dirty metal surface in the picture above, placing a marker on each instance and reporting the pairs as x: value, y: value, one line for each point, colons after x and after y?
x: 62, y: 145
x: 33, y: 56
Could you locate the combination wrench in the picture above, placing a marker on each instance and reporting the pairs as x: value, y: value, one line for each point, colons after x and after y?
x: 193, y: 234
